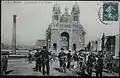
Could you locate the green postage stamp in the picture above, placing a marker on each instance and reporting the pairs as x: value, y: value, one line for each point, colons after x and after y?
x: 110, y: 11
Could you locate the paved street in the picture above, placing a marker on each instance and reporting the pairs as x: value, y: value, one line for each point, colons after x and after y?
x: 22, y: 67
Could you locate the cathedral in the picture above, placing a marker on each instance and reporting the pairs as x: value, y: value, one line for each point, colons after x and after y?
x: 65, y: 30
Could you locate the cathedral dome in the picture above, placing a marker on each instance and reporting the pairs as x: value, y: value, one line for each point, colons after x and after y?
x: 65, y: 16
x: 66, y: 12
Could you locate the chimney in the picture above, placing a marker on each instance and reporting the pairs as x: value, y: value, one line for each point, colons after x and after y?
x: 14, y: 35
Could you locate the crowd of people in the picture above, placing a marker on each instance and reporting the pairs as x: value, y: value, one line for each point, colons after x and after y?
x: 71, y: 61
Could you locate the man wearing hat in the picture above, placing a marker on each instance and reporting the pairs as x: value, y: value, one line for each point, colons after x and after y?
x: 69, y: 57
x: 91, y: 60
x: 37, y: 58
x: 29, y: 56
x: 45, y: 60
x: 60, y: 56
x: 99, y: 66
x: 75, y: 58
x: 4, y: 62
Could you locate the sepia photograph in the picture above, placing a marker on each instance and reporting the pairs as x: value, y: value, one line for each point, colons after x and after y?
x: 60, y: 38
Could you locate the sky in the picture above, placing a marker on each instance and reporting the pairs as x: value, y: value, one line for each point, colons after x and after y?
x: 33, y: 18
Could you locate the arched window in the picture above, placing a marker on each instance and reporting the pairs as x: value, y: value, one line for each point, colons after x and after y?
x: 76, y: 18
x: 54, y: 46
x: 74, y: 47
x: 65, y: 40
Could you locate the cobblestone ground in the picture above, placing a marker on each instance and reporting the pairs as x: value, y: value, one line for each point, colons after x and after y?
x: 22, y: 67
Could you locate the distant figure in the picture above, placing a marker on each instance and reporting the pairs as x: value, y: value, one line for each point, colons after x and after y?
x: 75, y: 58
x: 4, y: 61
x: 80, y: 60
x: 61, y: 57
x: 54, y: 57
x: 83, y: 67
x: 109, y: 62
x: 40, y: 60
x: 99, y: 66
x: 29, y: 56
x: 64, y: 64
x: 69, y: 58
x: 45, y: 60
x: 51, y: 58
x: 91, y: 60
x: 37, y: 58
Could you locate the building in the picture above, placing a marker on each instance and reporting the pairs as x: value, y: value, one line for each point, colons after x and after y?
x: 94, y: 46
x: 111, y: 44
x: 117, y: 50
x: 40, y: 44
x: 65, y: 30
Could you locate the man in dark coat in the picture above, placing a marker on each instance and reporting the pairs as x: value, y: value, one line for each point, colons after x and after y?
x: 69, y: 57
x: 83, y: 67
x: 91, y: 60
x: 38, y: 62
x: 76, y: 59
x: 4, y: 61
x: 75, y: 56
x: 60, y: 55
x: 99, y: 66
x: 109, y: 62
x: 45, y: 60
x: 29, y: 56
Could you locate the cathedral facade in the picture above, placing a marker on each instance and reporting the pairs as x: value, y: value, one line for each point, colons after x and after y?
x: 65, y: 30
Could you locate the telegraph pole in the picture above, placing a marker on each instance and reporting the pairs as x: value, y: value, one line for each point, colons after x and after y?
x: 14, y: 35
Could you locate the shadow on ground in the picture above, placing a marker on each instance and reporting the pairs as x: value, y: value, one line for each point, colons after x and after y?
x: 78, y: 73
x: 59, y: 70
x: 102, y: 71
x: 8, y: 72
x: 105, y: 71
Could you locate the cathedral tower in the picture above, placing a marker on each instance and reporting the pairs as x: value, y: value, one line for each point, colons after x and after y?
x: 75, y: 12
x: 56, y: 12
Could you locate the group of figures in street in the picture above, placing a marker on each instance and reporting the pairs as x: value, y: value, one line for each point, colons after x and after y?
x: 70, y: 61
x: 42, y: 60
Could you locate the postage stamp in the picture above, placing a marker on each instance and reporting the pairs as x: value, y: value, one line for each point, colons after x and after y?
x: 110, y: 11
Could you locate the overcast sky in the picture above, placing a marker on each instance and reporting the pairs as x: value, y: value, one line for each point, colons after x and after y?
x: 34, y: 17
